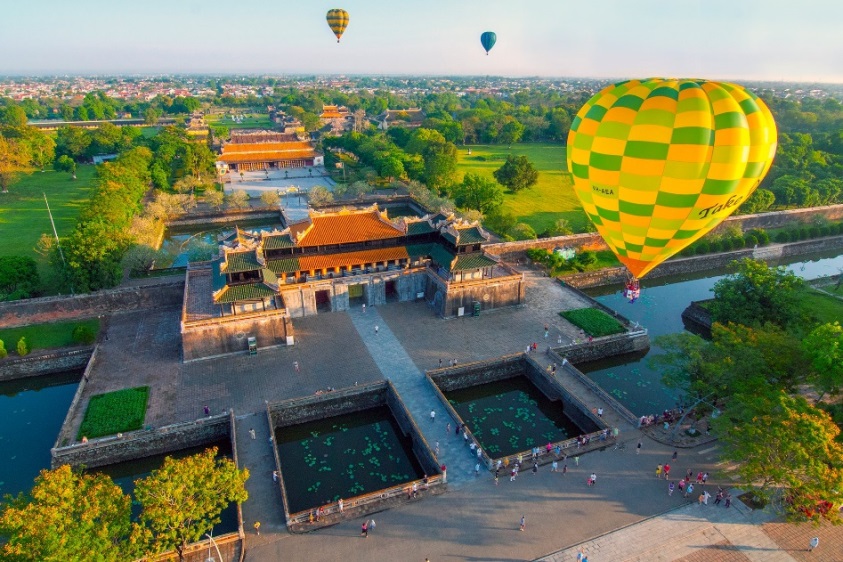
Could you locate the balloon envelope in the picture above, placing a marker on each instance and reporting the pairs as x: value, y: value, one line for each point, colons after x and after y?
x: 658, y: 163
x: 487, y: 39
x: 337, y: 21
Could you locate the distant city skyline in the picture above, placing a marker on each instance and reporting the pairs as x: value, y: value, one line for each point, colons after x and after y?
x: 775, y: 40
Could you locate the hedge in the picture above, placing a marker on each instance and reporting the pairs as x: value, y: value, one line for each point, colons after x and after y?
x: 115, y: 412
x: 594, y: 322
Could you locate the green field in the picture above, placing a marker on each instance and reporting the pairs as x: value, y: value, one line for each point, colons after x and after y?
x: 824, y: 308
x: 23, y: 214
x: 115, y: 412
x: 251, y: 121
x: 540, y: 206
x: 43, y: 336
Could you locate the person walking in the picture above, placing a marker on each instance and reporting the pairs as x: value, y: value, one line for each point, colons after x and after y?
x: 252, y: 433
x: 512, y: 474
x: 364, y: 308
x: 815, y: 542
x: 638, y: 448
x: 535, y: 468
x: 577, y: 460
x: 667, y: 472
x: 275, y: 476
x: 564, y: 469
x: 257, y: 527
x: 599, y: 412
x: 477, y: 469
x: 554, y: 465
x: 377, y: 329
x: 524, y: 524
x: 433, y: 416
x: 296, y: 366
x: 372, y: 525
x: 207, y: 410
x: 659, y: 471
x: 593, y: 478
x: 689, y: 489
x: 670, y: 488
x: 340, y: 505
x: 364, y: 529
x: 496, y: 477
x: 674, y: 454
x: 706, y: 497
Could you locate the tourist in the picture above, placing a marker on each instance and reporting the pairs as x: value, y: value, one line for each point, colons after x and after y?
x: 496, y: 478
x: 512, y: 474
x: 706, y: 497
x: 372, y: 525
x: 593, y: 478
x: 377, y: 329
x: 275, y: 476
x: 252, y: 433
x: 207, y: 410
x: 472, y: 446
x: 689, y: 489
x: 667, y: 472
x: 364, y: 308
x: 523, y: 523
x: 436, y: 449
x: 670, y: 488
x: 699, y: 477
x: 638, y: 448
x: 728, y: 499
x: 311, y: 517
x: 464, y: 434
x: 554, y: 465
x: 432, y: 415
x: 448, y: 429
x: 459, y: 427
x: 577, y: 460
x: 564, y: 359
x: 565, y: 469
x: 319, y: 513
x: 719, y: 497
x: 815, y: 542
x: 674, y: 454
x: 364, y: 530
x: 498, y: 465
x: 296, y: 366
x: 705, y: 477
x: 479, y: 453
x: 415, y: 489
x: 682, y: 487
x: 599, y: 412
x: 340, y: 505
x: 440, y: 362
x: 659, y: 471
x: 477, y: 469
x: 257, y: 527
x: 559, y: 339
x: 535, y: 468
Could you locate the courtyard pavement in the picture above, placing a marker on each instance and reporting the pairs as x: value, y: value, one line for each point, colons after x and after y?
x: 628, y: 515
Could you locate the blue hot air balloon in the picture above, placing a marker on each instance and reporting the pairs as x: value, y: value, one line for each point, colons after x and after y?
x: 488, y: 40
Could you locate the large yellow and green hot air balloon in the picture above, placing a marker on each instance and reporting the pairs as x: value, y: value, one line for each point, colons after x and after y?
x: 337, y: 21
x: 658, y: 163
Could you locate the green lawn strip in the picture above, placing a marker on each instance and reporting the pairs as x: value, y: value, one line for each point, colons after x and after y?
x: 115, y: 412
x: 260, y: 122
x: 23, y: 214
x: 43, y: 336
x: 594, y: 322
x: 540, y: 206
x: 823, y: 308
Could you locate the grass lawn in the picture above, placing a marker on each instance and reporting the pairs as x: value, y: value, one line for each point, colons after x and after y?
x: 23, y: 214
x: 115, y: 412
x: 594, y: 322
x: 540, y: 206
x: 825, y: 308
x: 42, y: 336
x: 251, y: 121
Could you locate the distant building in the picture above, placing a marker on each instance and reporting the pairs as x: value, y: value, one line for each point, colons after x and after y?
x: 410, y: 118
x: 337, y: 118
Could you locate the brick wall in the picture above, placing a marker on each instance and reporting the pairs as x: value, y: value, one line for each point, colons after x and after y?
x: 44, y: 363
x: 229, y: 334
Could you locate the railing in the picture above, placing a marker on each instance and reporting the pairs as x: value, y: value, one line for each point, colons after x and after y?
x: 364, y: 500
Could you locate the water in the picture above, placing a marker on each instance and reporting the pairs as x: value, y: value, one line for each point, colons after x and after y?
x: 344, y: 456
x: 32, y: 411
x: 177, y: 241
x: 512, y: 415
x: 125, y: 474
x: 629, y: 379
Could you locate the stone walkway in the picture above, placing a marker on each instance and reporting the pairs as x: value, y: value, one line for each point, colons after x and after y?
x: 416, y: 393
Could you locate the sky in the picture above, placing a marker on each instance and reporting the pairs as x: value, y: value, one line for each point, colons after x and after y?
x: 795, y: 40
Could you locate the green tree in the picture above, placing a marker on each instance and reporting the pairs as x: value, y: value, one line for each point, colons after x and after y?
x: 517, y: 173
x: 151, y: 115
x: 523, y: 231
x: 758, y: 202
x: 65, y: 163
x: 270, y: 198
x: 391, y: 167
x: 477, y: 192
x: 23, y: 347
x: 68, y: 516
x: 238, y: 199
x: 14, y: 157
x: 501, y: 221
x: 73, y: 141
x: 14, y: 117
x: 3, y: 352
x: 785, y: 448
x: 42, y: 148
x: 754, y: 294
x: 511, y: 132
x: 824, y: 347
x: 560, y: 228
x: 183, y: 499
x: 319, y: 195
x: 18, y: 277
x: 214, y: 198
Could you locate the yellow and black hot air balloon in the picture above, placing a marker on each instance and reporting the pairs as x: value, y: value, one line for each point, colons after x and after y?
x: 337, y: 21
x: 658, y: 163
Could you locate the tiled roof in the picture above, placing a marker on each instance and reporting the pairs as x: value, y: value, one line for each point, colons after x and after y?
x: 265, y: 147
x: 252, y: 291
x: 471, y: 235
x: 419, y: 227
x: 441, y: 256
x: 473, y: 261
x: 236, y: 262
x: 218, y: 279
x: 344, y: 227
x: 418, y: 250
x: 287, y: 265
x: 267, y: 155
x: 277, y: 241
x: 306, y: 263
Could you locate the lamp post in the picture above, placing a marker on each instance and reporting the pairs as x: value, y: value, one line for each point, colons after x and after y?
x: 211, y: 541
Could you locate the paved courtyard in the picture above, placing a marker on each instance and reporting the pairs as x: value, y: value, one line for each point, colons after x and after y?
x: 627, y: 516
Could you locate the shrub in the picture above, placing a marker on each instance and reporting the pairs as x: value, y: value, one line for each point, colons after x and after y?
x: 586, y: 258
x: 825, y: 230
x: 115, y: 412
x: 715, y: 246
x: 793, y: 235
x: 803, y: 233
x: 782, y: 237
x: 814, y: 232
x: 738, y: 242
x: 23, y: 347
x: 761, y: 235
x: 3, y: 352
x: 523, y: 231
x: 84, y: 334
x: 750, y: 240
x: 594, y: 322
x: 702, y: 247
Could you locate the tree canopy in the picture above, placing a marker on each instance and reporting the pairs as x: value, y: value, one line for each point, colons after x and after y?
x: 517, y: 173
x: 477, y: 192
x: 18, y: 277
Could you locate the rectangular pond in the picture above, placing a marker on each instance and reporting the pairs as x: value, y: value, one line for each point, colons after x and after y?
x: 344, y: 456
x: 512, y: 415
x: 126, y: 473
x: 32, y: 410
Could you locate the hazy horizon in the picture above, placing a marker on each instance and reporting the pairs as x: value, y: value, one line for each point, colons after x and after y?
x: 774, y: 41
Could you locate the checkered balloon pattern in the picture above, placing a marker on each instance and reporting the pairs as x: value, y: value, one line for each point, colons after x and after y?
x: 658, y: 163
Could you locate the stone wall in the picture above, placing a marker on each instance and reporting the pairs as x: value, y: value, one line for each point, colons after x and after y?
x: 145, y: 443
x: 166, y: 293
x: 606, y: 346
x: 706, y: 262
x: 225, y: 217
x: 778, y: 219
x: 229, y: 334
x: 421, y: 448
x: 512, y: 251
x: 335, y: 403
x: 480, y: 372
x: 448, y: 297
x: 697, y: 315
x: 54, y: 361
x: 579, y: 413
